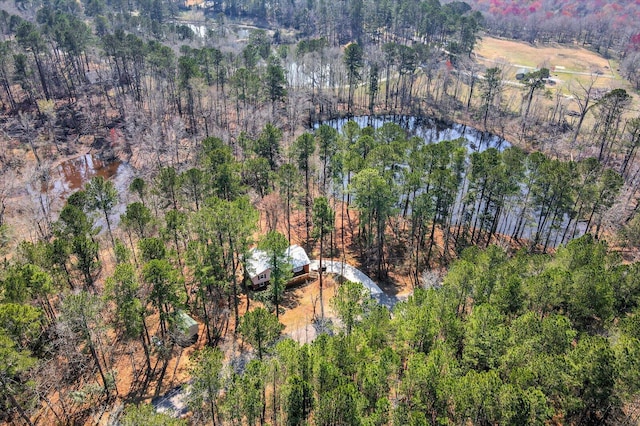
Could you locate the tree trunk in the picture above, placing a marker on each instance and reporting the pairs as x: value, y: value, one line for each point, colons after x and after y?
x: 43, y: 81
x: 307, y: 204
x: 320, y: 277
x: 15, y: 403
x: 145, y: 347
x: 274, y: 397
x: 94, y: 355
x: 473, y: 82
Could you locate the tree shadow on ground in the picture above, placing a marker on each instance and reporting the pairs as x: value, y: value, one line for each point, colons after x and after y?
x: 292, y: 298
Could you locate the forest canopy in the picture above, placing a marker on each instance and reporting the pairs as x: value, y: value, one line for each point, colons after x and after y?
x: 195, y: 133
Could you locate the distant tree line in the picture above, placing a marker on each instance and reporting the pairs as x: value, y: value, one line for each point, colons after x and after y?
x: 66, y: 77
x: 53, y: 56
x: 599, y: 25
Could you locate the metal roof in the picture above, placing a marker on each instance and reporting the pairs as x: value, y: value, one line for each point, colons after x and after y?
x: 258, y: 261
x: 184, y: 320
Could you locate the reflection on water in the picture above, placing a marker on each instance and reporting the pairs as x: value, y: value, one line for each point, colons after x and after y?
x: 434, y: 131
x: 71, y: 175
x: 429, y: 129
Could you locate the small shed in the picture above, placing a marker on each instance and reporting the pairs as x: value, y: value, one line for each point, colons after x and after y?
x: 186, y: 329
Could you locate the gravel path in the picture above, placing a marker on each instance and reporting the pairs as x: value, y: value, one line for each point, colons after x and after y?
x: 352, y: 274
x: 172, y: 403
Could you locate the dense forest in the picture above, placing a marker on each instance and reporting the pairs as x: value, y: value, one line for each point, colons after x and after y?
x: 223, y: 126
x: 500, y: 341
x: 599, y: 23
x: 609, y: 27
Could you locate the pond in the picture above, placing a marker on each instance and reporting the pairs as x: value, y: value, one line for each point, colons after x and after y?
x: 72, y: 175
x: 434, y: 131
x: 429, y: 129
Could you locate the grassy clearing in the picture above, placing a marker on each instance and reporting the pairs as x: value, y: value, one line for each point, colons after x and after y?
x: 569, y: 65
x: 575, y: 59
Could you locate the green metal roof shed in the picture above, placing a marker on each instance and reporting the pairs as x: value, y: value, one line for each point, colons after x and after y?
x: 186, y: 326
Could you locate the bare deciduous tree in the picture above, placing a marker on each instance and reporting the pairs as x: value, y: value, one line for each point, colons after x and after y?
x: 582, y: 96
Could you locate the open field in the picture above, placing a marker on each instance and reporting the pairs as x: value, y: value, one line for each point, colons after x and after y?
x: 570, y: 66
x: 567, y: 64
x: 520, y: 53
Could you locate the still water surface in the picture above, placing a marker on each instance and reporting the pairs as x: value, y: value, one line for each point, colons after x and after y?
x: 433, y: 131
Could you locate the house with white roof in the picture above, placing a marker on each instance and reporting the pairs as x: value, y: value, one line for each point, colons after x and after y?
x: 258, y: 265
